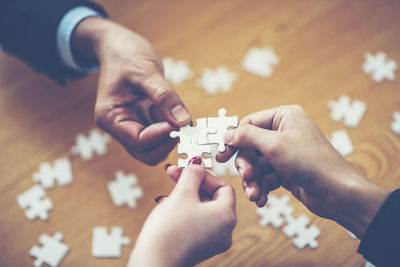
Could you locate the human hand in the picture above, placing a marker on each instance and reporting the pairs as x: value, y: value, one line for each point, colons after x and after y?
x: 185, y: 229
x: 283, y: 147
x: 134, y: 102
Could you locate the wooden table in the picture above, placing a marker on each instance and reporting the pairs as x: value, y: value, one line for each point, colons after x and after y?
x: 321, y: 46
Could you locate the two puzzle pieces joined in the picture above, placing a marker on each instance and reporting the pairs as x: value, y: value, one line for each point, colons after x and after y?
x: 197, y: 140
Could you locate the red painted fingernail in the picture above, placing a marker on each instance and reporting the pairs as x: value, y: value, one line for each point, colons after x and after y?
x: 158, y: 199
x: 167, y: 165
x: 196, y: 160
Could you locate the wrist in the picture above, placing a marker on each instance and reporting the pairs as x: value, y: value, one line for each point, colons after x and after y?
x: 147, y: 252
x: 89, y: 36
x: 358, y: 203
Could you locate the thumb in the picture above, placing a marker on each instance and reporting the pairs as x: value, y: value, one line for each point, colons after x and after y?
x: 250, y: 136
x: 190, y: 181
x: 166, y: 100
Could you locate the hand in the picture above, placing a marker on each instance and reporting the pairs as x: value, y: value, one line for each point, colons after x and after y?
x: 184, y: 230
x: 134, y: 102
x: 283, y: 147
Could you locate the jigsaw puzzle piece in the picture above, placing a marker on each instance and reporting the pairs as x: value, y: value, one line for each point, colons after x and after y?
x: 108, y: 245
x: 52, y: 251
x: 199, y: 132
x: 176, y: 71
x: 342, y: 143
x: 48, y: 175
x: 260, y: 61
x: 35, y: 203
x: 275, y: 212
x: 192, y: 149
x: 125, y: 190
x: 221, y: 124
x: 395, y: 126
x: 304, y: 236
x: 95, y: 143
x: 351, y: 112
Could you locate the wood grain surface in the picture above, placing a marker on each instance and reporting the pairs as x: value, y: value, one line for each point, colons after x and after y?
x: 321, y: 46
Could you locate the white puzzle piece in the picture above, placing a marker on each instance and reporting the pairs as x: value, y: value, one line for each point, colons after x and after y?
x: 221, y: 124
x: 108, y: 245
x: 199, y: 132
x: 368, y: 264
x: 350, y: 112
x: 342, y: 143
x: 192, y: 149
x: 176, y: 71
x: 379, y: 67
x: 260, y: 61
x: 304, y: 236
x: 35, y: 203
x: 395, y: 126
x: 220, y: 169
x: 218, y: 80
x: 95, y: 143
x: 275, y: 212
x: 52, y: 251
x: 60, y: 172
x: 125, y: 190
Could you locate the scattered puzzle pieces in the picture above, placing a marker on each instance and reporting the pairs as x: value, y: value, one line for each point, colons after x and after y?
x: 304, y: 236
x: 218, y: 80
x: 260, y: 61
x: 35, y: 203
x: 221, y: 124
x: 52, y: 251
x: 395, y: 126
x: 275, y: 212
x: 342, y: 143
x: 176, y: 71
x: 124, y: 190
x: 379, y: 67
x: 48, y: 175
x: 350, y: 112
x: 95, y: 143
x: 108, y: 245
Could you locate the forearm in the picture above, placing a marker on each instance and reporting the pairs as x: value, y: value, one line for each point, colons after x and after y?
x: 360, y: 201
x: 97, y: 39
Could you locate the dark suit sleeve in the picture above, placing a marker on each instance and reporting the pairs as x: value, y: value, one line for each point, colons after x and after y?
x: 28, y: 30
x: 381, y: 242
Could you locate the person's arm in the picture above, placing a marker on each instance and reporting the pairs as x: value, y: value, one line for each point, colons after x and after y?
x: 283, y: 147
x: 28, y: 30
x: 186, y: 228
x: 64, y: 38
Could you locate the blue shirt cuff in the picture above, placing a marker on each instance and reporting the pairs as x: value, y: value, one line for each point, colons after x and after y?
x: 64, y: 33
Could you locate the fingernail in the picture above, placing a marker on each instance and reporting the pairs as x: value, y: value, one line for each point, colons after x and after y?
x: 228, y: 136
x: 158, y: 199
x: 179, y: 113
x: 195, y: 160
x: 167, y: 165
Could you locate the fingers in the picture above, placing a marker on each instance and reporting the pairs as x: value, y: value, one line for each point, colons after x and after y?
x: 210, y: 183
x: 225, y: 196
x: 166, y: 100
x: 190, y: 180
x: 250, y: 136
